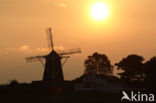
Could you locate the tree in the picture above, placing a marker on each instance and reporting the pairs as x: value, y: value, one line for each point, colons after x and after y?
x: 98, y: 64
x: 150, y: 70
x: 133, y: 68
x: 14, y: 82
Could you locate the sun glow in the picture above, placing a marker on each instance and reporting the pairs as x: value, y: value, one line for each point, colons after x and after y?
x: 99, y: 11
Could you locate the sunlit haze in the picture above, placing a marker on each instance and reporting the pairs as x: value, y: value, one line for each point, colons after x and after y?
x: 116, y: 28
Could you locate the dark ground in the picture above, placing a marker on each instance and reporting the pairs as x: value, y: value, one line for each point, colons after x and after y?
x: 52, y: 93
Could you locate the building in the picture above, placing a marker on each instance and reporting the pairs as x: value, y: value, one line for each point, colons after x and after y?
x: 98, y: 83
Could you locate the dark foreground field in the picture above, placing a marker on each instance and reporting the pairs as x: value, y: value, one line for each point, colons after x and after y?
x: 60, y: 92
x: 47, y: 93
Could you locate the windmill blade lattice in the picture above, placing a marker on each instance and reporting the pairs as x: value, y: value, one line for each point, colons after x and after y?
x: 70, y: 51
x: 35, y: 58
x: 50, y: 39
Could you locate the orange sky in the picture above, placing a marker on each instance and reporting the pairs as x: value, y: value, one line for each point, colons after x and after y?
x: 128, y: 29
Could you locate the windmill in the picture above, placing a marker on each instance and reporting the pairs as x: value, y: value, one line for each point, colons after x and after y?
x: 52, y: 66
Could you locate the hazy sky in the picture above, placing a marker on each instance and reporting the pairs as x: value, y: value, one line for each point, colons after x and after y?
x: 128, y: 29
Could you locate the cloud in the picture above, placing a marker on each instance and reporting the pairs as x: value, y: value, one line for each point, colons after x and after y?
x: 62, y: 5
x: 59, y: 48
x: 27, y: 50
x: 24, y: 47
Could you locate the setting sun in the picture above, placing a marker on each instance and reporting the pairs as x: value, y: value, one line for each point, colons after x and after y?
x: 99, y: 11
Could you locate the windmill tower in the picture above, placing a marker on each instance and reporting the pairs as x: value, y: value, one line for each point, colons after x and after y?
x: 53, y: 66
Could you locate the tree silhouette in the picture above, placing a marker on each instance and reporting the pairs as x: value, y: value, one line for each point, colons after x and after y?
x: 150, y: 71
x: 14, y: 82
x: 133, y: 68
x: 98, y: 64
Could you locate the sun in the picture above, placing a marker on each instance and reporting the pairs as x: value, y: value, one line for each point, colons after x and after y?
x: 99, y: 11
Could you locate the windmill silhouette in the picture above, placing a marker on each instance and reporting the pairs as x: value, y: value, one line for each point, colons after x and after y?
x: 53, y: 66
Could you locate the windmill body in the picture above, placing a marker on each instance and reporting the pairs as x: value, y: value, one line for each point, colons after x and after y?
x: 53, y: 66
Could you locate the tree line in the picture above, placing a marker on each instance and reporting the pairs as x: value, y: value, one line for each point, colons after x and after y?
x: 134, y: 66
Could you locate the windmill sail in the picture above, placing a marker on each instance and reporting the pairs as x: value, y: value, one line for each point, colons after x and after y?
x: 70, y: 51
x: 35, y: 58
x: 50, y: 39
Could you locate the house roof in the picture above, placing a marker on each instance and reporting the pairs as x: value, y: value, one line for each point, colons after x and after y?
x: 99, y: 76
